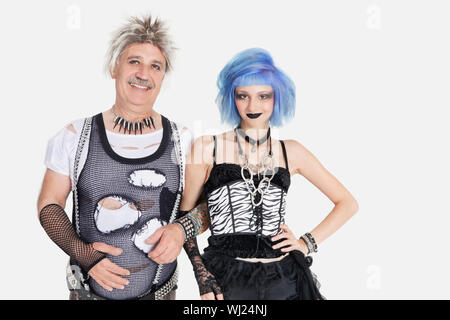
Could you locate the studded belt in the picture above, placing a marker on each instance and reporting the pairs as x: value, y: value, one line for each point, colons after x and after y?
x: 159, y: 292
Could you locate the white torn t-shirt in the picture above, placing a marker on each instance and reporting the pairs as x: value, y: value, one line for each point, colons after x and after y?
x: 62, y: 147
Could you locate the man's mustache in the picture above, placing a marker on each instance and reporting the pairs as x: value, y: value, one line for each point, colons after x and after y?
x: 140, y: 82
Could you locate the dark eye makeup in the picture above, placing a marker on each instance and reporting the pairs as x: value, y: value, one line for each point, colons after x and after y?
x: 261, y: 96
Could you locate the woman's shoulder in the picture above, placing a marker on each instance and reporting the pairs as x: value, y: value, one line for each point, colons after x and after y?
x: 201, y: 150
x: 206, y: 144
x: 208, y: 141
x: 294, y: 146
x: 299, y: 155
x: 203, y: 141
x: 296, y: 153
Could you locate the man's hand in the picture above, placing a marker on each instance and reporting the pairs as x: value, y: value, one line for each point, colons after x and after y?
x: 171, y: 240
x: 106, y: 273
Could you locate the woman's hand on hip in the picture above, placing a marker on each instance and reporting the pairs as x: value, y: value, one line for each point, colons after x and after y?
x: 290, y: 243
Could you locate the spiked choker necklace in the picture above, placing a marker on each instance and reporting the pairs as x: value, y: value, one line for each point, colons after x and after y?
x: 132, y: 125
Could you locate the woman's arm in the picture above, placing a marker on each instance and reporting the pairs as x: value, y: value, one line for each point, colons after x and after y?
x: 198, y: 165
x: 303, y: 162
x: 208, y: 287
x: 195, y: 218
x: 197, y: 172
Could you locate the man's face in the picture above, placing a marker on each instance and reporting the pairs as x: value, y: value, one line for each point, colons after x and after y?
x: 139, y: 74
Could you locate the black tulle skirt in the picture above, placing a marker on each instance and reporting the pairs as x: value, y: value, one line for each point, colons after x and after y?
x: 287, y: 279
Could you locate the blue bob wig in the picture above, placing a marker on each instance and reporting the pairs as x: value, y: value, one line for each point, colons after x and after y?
x: 255, y: 67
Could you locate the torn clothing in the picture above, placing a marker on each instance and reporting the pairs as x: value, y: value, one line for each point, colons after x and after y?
x: 122, y: 201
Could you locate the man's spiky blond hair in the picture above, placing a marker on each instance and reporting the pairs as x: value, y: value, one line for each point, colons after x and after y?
x: 140, y: 30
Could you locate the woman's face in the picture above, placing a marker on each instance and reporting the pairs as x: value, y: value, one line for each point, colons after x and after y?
x: 254, y: 104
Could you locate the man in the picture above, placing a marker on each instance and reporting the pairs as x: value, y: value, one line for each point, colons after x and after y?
x: 125, y: 167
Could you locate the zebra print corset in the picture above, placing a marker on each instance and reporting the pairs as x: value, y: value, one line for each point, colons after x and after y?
x: 230, y: 207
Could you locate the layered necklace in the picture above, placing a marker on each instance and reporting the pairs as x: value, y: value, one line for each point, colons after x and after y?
x: 132, y: 125
x: 266, y: 165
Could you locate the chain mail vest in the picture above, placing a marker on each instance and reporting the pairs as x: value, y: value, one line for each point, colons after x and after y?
x: 123, y: 201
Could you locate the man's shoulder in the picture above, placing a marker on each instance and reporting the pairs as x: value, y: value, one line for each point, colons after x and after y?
x: 69, y: 134
x: 76, y: 125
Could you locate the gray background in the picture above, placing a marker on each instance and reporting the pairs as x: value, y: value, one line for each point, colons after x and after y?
x: 372, y: 83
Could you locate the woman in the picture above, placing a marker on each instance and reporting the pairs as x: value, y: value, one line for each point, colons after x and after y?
x: 245, y: 176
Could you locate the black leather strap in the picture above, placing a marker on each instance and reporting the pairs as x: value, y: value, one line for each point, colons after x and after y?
x: 214, y: 151
x: 284, y: 154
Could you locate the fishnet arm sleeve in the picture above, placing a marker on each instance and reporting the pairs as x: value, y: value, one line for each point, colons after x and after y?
x: 55, y: 222
x: 206, y: 281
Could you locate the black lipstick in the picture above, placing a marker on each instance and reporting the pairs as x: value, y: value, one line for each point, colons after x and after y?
x: 253, y: 115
